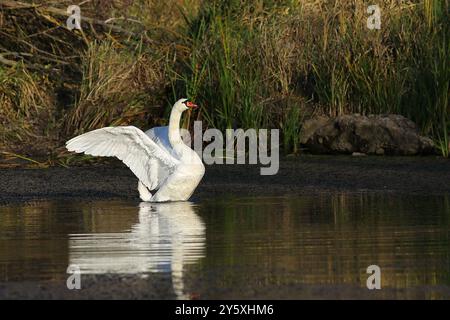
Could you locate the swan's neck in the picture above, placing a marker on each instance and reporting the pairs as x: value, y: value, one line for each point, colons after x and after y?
x: 184, y: 152
x: 174, y: 127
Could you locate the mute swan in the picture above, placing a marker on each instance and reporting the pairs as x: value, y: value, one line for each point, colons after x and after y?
x: 158, y: 157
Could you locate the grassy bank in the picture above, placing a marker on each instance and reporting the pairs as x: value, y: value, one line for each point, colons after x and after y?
x: 247, y: 63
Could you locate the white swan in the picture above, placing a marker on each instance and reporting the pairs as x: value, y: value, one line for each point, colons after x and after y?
x: 158, y: 157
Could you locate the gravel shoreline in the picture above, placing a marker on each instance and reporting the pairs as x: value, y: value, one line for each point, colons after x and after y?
x: 159, y: 287
x: 300, y: 175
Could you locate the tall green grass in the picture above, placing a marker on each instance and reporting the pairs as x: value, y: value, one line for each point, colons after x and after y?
x: 257, y: 55
x: 263, y: 64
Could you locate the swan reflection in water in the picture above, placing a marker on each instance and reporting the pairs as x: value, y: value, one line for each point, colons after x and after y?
x: 167, y: 237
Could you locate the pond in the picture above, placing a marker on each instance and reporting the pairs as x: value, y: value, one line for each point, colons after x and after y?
x: 291, y: 247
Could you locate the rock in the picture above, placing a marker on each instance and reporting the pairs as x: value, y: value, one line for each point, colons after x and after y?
x: 358, y: 154
x: 374, y: 134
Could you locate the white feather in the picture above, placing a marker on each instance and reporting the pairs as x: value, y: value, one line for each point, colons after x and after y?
x: 140, y: 153
x: 159, y: 162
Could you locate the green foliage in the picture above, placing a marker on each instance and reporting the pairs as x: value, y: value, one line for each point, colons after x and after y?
x: 255, y: 64
x: 291, y: 126
x: 256, y: 55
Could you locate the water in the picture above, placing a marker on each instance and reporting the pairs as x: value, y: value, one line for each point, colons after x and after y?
x: 281, y: 247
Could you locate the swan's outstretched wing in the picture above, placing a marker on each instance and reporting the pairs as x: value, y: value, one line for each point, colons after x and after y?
x: 148, y: 161
x: 160, y: 135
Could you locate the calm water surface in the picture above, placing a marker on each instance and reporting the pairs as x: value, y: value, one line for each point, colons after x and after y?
x: 280, y: 247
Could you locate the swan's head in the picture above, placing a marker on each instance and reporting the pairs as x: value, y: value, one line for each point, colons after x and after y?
x: 184, y: 104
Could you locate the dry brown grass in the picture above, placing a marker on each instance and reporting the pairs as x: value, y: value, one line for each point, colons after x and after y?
x: 248, y: 63
x: 27, y: 112
x: 118, y: 86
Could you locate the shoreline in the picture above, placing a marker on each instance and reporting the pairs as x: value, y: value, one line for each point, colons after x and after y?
x: 156, y: 287
x: 305, y: 174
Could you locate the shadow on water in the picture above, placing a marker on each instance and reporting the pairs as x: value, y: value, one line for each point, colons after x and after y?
x: 280, y: 247
x: 328, y: 240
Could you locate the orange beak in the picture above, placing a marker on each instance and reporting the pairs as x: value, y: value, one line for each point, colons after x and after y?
x: 191, y: 105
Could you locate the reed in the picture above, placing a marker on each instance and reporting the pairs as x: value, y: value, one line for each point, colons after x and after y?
x: 249, y: 64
